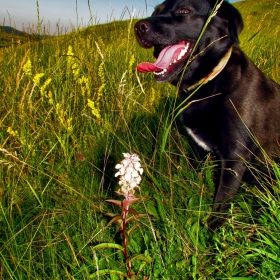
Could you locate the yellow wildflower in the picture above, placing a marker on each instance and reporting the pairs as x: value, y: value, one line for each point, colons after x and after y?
x: 50, y: 95
x: 37, y: 77
x: 72, y: 63
x: 101, y: 74
x: 75, y: 69
x: 43, y: 87
x: 84, y: 82
x: 70, y: 54
x: 27, y: 67
x: 60, y: 113
x: 69, y: 125
x: 100, y: 91
x: 12, y: 132
x: 131, y: 62
x: 95, y: 111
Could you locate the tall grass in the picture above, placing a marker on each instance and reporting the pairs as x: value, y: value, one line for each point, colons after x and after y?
x: 70, y: 105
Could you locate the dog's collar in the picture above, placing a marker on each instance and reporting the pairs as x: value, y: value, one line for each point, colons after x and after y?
x: 215, y: 72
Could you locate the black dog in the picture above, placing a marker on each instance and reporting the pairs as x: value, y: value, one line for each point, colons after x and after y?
x: 235, y: 103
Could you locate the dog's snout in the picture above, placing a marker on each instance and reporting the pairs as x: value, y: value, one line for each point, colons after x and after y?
x: 142, y: 33
x: 142, y: 26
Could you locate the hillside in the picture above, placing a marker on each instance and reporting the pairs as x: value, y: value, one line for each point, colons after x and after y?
x: 11, y: 36
x: 12, y: 31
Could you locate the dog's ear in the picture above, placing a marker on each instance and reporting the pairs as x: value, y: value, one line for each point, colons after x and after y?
x: 235, y: 22
x: 158, y: 9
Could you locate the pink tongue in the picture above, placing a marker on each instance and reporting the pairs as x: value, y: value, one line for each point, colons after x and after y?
x: 166, y: 56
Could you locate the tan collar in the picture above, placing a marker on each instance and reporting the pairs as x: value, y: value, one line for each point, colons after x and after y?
x: 215, y: 72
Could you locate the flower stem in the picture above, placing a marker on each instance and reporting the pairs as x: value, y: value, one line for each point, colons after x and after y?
x: 125, y: 239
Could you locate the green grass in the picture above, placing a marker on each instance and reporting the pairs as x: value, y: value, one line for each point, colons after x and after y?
x: 58, y: 151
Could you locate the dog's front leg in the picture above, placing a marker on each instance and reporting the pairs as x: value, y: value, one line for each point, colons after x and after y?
x: 232, y: 172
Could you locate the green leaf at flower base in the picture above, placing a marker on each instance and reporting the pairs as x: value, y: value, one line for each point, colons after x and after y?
x: 131, y: 210
x: 111, y: 215
x: 117, y: 219
x: 108, y: 245
x: 141, y: 257
x: 116, y: 202
x: 135, y: 217
x: 132, y: 229
x: 104, y: 272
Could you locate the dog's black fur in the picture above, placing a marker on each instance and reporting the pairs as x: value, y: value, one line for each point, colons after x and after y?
x: 238, y: 106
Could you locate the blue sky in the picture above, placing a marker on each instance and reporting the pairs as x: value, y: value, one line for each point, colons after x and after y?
x: 19, y: 13
x: 23, y: 13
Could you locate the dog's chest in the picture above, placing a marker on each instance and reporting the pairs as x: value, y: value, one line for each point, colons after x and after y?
x: 198, y: 140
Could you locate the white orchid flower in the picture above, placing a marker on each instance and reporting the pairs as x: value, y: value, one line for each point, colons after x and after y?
x: 130, y: 172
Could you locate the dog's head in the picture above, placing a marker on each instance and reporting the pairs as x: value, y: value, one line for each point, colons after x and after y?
x: 174, y: 28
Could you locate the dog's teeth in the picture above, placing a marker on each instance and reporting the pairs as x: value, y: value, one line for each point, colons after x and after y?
x: 160, y: 73
x: 181, y: 54
x: 183, y: 51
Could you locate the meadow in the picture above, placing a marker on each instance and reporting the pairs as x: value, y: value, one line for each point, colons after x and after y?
x: 70, y: 106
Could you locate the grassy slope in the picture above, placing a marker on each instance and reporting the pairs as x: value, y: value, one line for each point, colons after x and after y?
x: 15, y: 38
x: 58, y: 155
x: 260, y: 36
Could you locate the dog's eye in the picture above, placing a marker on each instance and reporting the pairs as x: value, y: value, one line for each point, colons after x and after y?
x: 184, y: 11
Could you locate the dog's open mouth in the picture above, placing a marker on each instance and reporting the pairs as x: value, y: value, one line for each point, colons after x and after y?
x: 168, y: 59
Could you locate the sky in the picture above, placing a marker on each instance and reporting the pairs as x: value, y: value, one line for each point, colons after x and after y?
x: 22, y: 14
x: 62, y: 16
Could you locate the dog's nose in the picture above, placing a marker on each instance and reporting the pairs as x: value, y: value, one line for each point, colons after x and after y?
x: 142, y: 26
